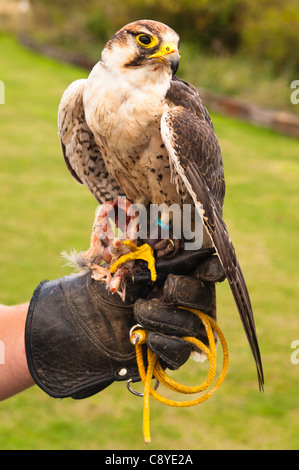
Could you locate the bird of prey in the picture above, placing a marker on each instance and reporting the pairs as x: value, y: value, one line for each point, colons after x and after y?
x: 133, y: 128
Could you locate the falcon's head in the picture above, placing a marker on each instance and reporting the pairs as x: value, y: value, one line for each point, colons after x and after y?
x: 145, y: 44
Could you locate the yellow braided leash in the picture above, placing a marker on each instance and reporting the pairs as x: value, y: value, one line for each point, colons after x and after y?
x: 138, y: 337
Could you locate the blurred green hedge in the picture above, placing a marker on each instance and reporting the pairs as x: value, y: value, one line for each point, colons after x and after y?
x: 263, y: 29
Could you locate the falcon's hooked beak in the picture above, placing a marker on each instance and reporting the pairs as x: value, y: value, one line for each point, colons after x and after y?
x: 168, y: 54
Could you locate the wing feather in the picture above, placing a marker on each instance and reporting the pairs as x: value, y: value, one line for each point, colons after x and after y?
x: 195, y: 156
x: 80, y: 150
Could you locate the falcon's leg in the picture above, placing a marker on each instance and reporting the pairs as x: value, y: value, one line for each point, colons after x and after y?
x: 161, y: 237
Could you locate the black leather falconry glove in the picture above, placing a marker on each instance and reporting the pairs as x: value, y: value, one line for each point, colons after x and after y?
x: 77, y: 332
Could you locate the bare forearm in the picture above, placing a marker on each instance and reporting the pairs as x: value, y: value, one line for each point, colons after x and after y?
x: 14, y: 374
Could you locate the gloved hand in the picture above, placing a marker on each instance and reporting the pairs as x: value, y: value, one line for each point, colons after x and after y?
x: 77, y: 332
x: 166, y: 323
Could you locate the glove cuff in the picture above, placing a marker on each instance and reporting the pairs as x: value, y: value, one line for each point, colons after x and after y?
x: 70, y: 347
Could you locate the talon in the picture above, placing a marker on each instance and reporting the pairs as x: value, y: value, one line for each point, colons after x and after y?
x: 144, y: 252
x: 167, y: 248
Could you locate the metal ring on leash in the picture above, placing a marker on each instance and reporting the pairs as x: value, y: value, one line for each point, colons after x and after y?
x: 134, y: 328
x: 139, y: 394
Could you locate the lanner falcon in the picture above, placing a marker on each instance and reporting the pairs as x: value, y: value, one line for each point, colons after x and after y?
x: 133, y: 128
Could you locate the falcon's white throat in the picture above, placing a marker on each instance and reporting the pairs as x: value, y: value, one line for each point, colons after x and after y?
x: 121, y: 105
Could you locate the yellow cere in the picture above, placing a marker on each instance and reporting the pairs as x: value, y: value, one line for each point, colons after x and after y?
x: 168, y: 48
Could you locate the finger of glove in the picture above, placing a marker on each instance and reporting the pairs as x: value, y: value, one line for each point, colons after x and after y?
x: 172, y: 350
x: 155, y: 315
x: 183, y: 263
x: 210, y: 270
x: 189, y: 292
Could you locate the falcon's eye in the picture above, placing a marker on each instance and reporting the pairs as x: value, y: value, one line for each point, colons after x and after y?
x: 146, y: 41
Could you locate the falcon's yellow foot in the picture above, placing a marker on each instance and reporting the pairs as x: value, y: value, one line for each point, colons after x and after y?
x: 144, y: 252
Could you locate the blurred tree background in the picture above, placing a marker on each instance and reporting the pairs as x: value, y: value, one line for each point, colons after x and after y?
x: 242, y: 48
x: 263, y: 29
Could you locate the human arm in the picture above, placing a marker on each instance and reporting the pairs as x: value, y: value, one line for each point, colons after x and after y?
x: 14, y: 374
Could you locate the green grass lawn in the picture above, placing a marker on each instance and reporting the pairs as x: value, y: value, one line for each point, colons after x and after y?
x: 43, y: 211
